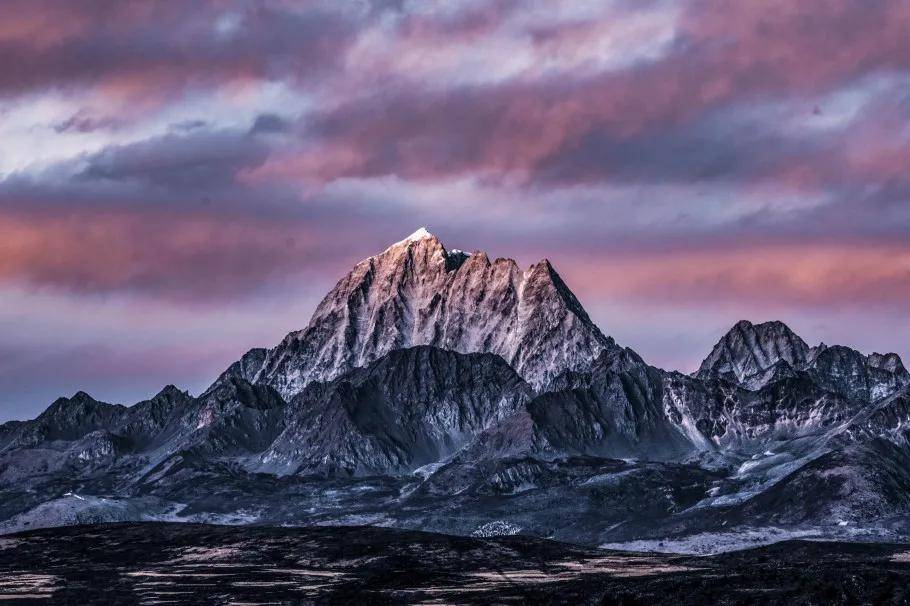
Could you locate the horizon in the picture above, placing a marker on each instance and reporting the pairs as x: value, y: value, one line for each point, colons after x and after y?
x: 183, y: 181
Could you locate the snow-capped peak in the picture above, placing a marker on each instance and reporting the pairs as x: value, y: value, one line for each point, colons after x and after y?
x: 420, y: 234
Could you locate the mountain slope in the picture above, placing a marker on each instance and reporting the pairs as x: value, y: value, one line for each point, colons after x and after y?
x: 410, y: 408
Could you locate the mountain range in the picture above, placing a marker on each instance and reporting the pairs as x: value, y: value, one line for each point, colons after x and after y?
x: 441, y: 390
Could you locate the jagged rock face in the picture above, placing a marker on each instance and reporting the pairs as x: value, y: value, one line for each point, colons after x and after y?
x: 142, y: 422
x: 756, y: 355
x: 410, y: 408
x: 247, y: 366
x: 96, y: 450
x: 722, y: 415
x: 888, y: 418
x: 233, y: 417
x: 849, y: 372
x: 417, y: 293
x: 748, y: 350
x: 615, y: 409
x: 890, y: 362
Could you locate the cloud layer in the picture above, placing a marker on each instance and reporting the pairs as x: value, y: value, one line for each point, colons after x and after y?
x: 226, y: 157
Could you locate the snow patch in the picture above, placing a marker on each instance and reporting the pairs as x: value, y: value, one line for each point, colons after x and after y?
x: 420, y: 234
x: 427, y: 470
x: 710, y: 543
x: 496, y: 528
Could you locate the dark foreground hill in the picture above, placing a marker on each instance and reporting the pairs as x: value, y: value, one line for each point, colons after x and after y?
x: 150, y: 563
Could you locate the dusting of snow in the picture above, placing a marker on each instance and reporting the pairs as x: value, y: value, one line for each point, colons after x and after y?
x: 420, y: 234
x: 496, y: 528
x: 710, y: 543
x: 427, y: 470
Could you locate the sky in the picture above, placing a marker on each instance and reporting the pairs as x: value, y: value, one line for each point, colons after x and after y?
x: 183, y: 180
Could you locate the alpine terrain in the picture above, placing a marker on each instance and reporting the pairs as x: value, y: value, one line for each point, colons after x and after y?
x: 445, y: 391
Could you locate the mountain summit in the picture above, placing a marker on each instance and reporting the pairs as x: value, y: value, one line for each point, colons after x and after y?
x: 756, y: 355
x: 749, y: 350
x: 418, y: 293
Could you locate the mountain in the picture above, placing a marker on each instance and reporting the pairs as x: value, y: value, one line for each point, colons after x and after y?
x: 755, y: 355
x: 233, y: 417
x: 418, y: 293
x: 748, y: 351
x: 440, y: 390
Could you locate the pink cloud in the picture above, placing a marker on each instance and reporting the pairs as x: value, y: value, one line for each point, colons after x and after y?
x: 723, y: 55
x: 851, y: 275
x: 182, y: 255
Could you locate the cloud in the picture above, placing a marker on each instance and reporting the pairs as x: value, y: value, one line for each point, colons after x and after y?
x: 270, y: 123
x: 606, y: 123
x: 668, y: 156
x: 139, y: 56
x: 83, y: 122
x: 846, y: 275
x: 199, y: 161
x: 160, y: 254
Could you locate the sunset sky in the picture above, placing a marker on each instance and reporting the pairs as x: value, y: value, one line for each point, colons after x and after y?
x: 181, y: 181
